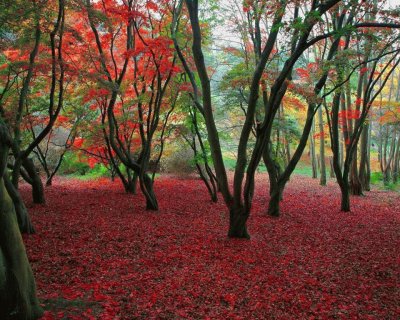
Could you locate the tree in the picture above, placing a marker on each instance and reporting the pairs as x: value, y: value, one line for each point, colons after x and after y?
x: 30, y: 73
x: 134, y: 61
x: 17, y: 286
x: 239, y: 202
x: 377, y: 78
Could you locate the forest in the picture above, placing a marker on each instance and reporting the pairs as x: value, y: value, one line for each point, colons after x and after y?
x: 199, y: 159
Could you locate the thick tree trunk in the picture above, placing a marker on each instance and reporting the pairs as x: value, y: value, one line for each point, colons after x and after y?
x: 345, y: 199
x: 130, y: 187
x: 237, y: 223
x: 275, y: 190
x: 130, y: 184
x: 146, y: 185
x: 386, y: 177
x: 17, y: 286
x: 273, y: 170
x: 274, y: 202
x: 24, y: 221
x: 37, y: 185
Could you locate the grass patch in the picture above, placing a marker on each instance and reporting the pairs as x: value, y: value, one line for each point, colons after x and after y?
x: 377, y: 180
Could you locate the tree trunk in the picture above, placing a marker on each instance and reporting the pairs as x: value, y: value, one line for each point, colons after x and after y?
x: 131, y: 187
x: 364, y: 158
x: 355, y: 184
x: 18, y: 298
x: 24, y: 221
x: 37, y: 185
x: 345, y: 199
x: 17, y: 286
x: 146, y: 185
x: 130, y: 184
x: 312, y: 154
x: 211, y: 188
x: 396, y: 162
x: 49, y: 181
x: 322, y: 180
x: 237, y: 223
x: 341, y: 150
x: 274, y: 202
x: 331, y: 170
x: 274, y: 171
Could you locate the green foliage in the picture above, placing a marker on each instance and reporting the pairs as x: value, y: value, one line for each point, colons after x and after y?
x: 73, y: 166
x: 277, y: 26
x: 314, y: 15
x: 344, y: 31
x: 98, y: 171
x: 377, y: 180
x: 299, y: 24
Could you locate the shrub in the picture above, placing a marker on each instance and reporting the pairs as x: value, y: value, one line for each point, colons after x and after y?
x: 179, y: 162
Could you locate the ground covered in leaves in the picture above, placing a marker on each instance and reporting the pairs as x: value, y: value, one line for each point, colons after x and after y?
x: 98, y: 254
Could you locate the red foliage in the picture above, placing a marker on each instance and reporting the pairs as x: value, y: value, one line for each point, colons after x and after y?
x: 99, y: 255
x: 349, y: 114
x: 303, y: 73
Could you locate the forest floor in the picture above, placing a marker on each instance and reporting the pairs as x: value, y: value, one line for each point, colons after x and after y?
x: 98, y: 254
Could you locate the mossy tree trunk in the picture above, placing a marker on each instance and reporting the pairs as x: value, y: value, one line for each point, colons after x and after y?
x: 23, y: 218
x: 18, y: 298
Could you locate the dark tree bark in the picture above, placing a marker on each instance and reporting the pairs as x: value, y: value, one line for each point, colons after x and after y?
x: 148, y: 111
x: 313, y: 157
x: 203, y: 168
x: 36, y: 182
x: 23, y: 218
x: 238, y: 223
x: 18, y: 298
x: 322, y: 160
x: 364, y: 177
x: 130, y: 184
x: 240, y: 201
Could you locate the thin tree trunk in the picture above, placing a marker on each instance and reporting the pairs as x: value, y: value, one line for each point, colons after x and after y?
x: 341, y: 150
x: 364, y: 158
x: 331, y: 170
x: 312, y: 154
x: 322, y: 180
x: 396, y: 162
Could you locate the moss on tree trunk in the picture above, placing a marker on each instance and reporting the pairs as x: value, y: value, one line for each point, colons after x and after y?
x: 17, y: 286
